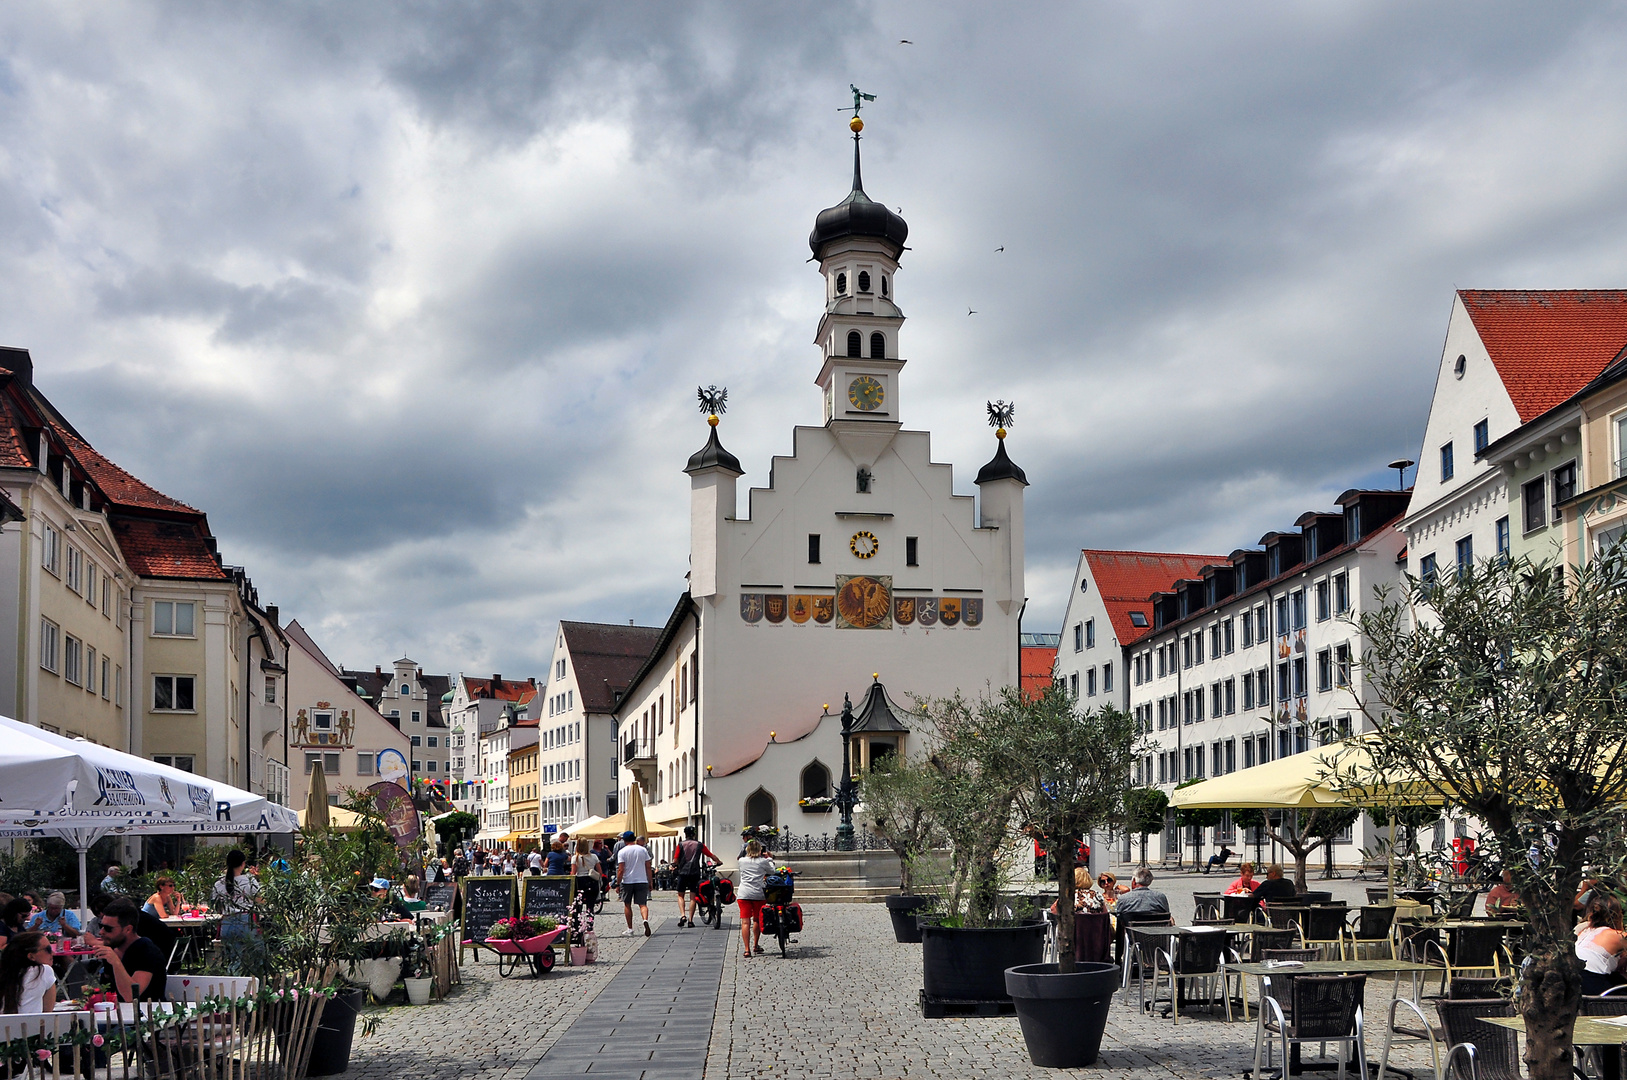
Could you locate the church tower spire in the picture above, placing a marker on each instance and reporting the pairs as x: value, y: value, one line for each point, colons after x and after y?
x: 858, y: 243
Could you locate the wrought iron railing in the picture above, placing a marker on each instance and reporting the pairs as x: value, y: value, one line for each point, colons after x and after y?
x: 787, y: 841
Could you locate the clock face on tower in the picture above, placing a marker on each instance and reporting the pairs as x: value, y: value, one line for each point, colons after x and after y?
x: 866, y: 393
x: 864, y: 544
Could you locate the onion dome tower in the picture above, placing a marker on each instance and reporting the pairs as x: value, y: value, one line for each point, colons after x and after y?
x: 858, y: 243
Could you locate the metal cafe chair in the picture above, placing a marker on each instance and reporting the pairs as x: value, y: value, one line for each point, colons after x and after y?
x: 1324, y: 1009
x: 1372, y: 931
x: 1129, y: 951
x: 1478, y: 1050
x: 1415, y: 1028
x: 1324, y: 928
x: 1192, y: 957
x: 1468, y: 950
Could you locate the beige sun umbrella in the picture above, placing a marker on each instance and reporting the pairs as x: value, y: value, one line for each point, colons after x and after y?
x: 316, y: 803
x: 635, y: 811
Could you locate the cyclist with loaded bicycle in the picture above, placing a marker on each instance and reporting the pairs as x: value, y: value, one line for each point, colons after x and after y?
x: 689, y: 868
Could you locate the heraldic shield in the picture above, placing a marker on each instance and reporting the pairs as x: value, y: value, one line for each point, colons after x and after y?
x: 751, y: 606
x: 926, y: 611
x: 864, y: 602
x: 903, y: 610
x: 774, y: 607
x: 801, y: 608
x: 949, y: 610
x: 824, y: 609
x: 971, y: 611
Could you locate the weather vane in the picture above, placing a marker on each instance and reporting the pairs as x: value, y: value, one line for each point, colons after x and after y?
x: 1001, y: 416
x: 859, y: 98
x: 714, y: 401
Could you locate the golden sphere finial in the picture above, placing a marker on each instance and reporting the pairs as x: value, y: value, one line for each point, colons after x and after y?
x: 999, y: 433
x: 712, y: 419
x: 857, y: 124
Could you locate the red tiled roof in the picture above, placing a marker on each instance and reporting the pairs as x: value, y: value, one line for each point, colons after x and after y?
x: 1034, y: 664
x: 1546, y: 344
x: 505, y: 690
x: 1127, y: 578
x: 166, y: 549
x: 119, y: 486
x: 13, y: 452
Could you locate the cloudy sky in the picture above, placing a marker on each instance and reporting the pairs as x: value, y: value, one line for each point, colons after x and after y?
x: 413, y: 299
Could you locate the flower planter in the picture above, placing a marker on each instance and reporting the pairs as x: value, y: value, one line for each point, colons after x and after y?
x: 418, y: 990
x: 381, y: 975
x: 970, y: 965
x: 1062, y: 1016
x: 903, y: 909
x: 579, y: 955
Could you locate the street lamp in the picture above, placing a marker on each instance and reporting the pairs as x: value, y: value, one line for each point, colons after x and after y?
x: 847, y: 794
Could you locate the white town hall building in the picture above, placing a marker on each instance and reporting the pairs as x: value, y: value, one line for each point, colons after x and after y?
x: 857, y: 561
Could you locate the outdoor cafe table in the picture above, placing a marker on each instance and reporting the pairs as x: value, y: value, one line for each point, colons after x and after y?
x: 194, y: 933
x: 1162, y: 934
x: 1266, y: 969
x: 1590, y: 1030
x: 1237, y: 905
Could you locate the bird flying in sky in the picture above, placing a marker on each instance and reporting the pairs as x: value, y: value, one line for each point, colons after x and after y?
x: 999, y: 249
x: 905, y: 41
x: 969, y: 311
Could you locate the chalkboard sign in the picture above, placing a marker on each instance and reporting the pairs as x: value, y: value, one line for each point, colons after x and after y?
x: 550, y: 896
x: 485, y: 900
x: 439, y: 897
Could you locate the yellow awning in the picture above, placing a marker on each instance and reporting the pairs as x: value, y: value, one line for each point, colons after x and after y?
x: 338, y: 819
x: 616, y: 824
x: 1305, y: 781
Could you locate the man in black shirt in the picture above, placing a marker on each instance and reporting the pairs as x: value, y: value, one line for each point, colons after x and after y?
x: 134, y: 963
x: 1275, y: 888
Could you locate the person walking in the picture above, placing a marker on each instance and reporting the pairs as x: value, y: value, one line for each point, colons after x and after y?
x: 633, y: 880
x: 754, y: 870
x: 689, y: 869
x: 586, y: 864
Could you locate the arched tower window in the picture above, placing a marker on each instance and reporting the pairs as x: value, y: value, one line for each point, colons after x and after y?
x: 841, y: 284
x: 884, y: 284
x: 878, y: 346
x: 816, y: 781
x: 853, y: 340
x: 864, y: 281
x: 759, y: 809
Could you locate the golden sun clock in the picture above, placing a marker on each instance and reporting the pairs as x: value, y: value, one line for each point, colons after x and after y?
x: 864, y: 544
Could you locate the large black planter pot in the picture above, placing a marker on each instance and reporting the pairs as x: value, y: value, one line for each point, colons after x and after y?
x: 330, y: 1046
x: 903, y: 911
x: 1062, y: 1016
x: 970, y: 965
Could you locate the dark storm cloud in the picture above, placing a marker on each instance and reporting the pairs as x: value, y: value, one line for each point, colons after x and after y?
x: 412, y: 299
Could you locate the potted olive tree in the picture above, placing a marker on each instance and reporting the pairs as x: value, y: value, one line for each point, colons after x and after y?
x: 1069, y: 770
x: 894, y: 795
x: 967, y: 946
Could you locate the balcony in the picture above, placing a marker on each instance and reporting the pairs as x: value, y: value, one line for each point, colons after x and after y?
x: 638, y: 756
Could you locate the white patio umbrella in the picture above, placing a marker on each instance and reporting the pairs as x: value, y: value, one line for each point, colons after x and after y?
x: 81, y: 792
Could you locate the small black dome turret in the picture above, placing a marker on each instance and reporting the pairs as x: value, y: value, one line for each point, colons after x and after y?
x: 1001, y: 467
x: 712, y: 455
x: 858, y: 215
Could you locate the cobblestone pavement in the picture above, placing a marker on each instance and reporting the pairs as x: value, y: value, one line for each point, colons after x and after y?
x: 490, y: 1028
x: 843, y: 1004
